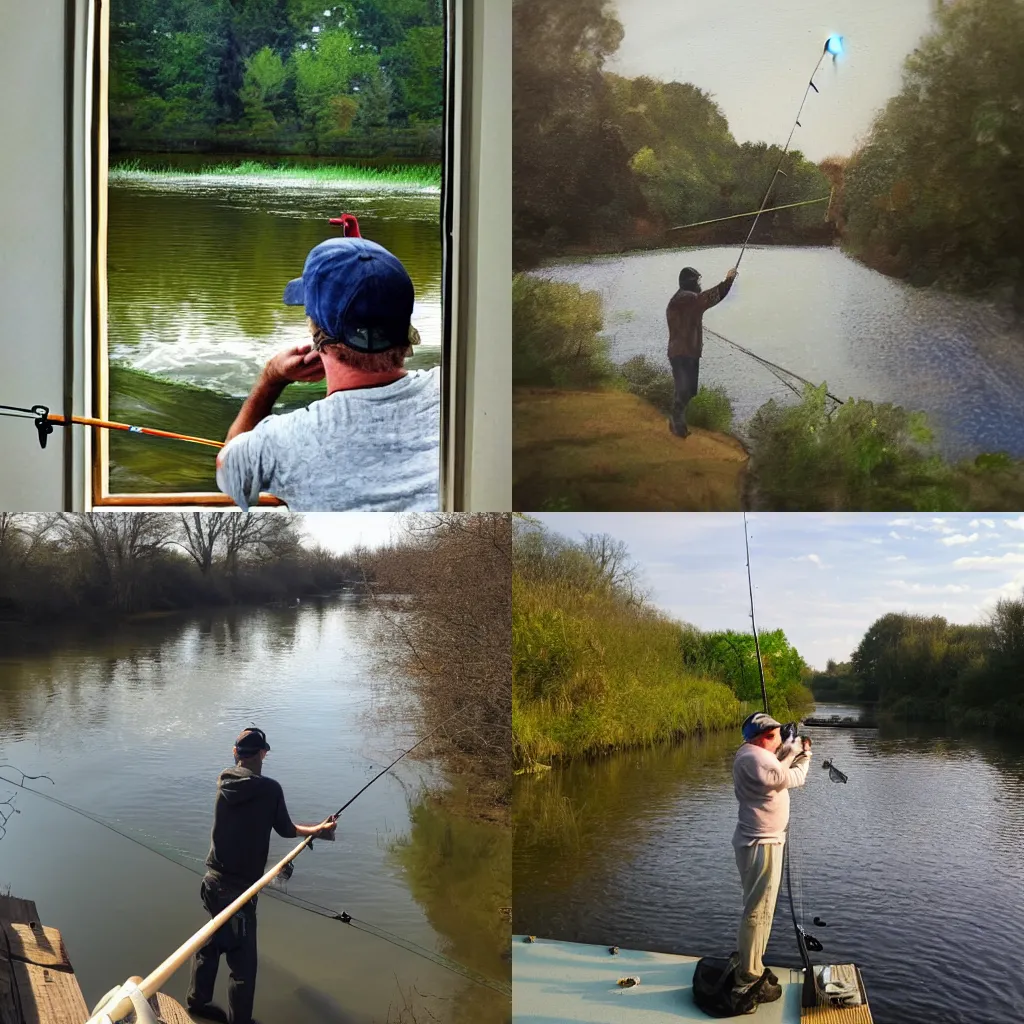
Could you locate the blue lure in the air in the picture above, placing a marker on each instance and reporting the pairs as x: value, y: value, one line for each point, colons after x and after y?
x: 834, y: 45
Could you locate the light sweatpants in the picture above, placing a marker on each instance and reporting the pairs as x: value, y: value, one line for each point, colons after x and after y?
x: 760, y: 872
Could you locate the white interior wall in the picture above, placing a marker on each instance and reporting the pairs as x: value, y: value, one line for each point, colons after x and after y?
x: 31, y: 249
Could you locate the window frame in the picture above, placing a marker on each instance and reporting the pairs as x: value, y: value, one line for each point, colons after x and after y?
x: 450, y: 470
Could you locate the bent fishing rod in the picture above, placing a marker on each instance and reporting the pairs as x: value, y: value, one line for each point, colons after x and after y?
x: 753, y: 625
x: 834, y: 47
x: 121, y: 1004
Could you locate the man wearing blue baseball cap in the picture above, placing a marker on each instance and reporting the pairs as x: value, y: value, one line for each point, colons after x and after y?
x: 762, y: 782
x: 373, y: 443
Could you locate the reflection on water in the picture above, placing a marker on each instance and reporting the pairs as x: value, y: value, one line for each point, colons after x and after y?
x: 914, y: 865
x: 135, y: 725
x: 826, y: 317
x: 197, y: 269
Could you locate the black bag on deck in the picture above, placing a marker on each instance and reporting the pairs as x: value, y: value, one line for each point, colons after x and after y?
x: 713, y: 980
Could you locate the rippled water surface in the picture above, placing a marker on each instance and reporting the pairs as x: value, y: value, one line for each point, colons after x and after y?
x: 828, y: 318
x: 915, y: 865
x: 197, y: 268
x: 135, y: 726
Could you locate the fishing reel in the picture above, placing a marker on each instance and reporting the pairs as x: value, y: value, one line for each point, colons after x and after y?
x: 43, y: 424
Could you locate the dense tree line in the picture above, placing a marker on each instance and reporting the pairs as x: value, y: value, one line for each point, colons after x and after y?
x: 444, y: 591
x: 601, y: 161
x: 294, y: 75
x: 935, y: 194
x: 925, y: 666
x: 93, y: 565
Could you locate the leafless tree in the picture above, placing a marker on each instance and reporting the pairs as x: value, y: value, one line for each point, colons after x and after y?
x: 200, y: 532
x: 260, y: 537
x: 118, y: 543
x: 444, y: 588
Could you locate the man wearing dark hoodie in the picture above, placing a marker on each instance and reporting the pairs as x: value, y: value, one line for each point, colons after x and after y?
x: 248, y: 806
x: 686, y: 338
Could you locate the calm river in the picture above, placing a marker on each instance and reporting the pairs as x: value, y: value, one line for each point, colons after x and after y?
x: 828, y: 318
x: 914, y: 865
x: 196, y: 270
x: 135, y: 726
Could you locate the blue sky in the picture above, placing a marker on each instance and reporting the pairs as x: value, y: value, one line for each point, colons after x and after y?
x: 823, y: 578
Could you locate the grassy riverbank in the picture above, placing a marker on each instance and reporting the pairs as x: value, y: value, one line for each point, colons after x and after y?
x: 398, y: 175
x: 595, y: 668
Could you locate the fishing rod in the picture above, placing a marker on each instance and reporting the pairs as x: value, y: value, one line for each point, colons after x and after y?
x: 834, y: 47
x: 45, y: 420
x: 757, y: 646
x: 288, y: 869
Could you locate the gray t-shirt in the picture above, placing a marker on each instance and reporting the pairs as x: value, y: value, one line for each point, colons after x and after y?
x: 372, y: 449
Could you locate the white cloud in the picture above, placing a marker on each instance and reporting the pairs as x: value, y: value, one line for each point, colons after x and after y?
x: 1015, y: 524
x: 989, y: 523
x: 895, y: 535
x: 901, y: 522
x: 928, y: 588
x: 990, y: 561
x: 816, y: 559
x: 896, y: 558
x: 958, y: 538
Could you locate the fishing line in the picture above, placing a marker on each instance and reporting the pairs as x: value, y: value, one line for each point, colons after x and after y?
x: 833, y: 46
x: 773, y: 368
x: 299, y: 902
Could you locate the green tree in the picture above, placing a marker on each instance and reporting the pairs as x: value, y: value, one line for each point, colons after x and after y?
x: 937, y: 192
x: 323, y: 72
x: 416, y: 65
x: 262, y: 88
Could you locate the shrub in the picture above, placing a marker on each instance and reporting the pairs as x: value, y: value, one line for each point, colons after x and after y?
x: 710, y: 409
x: 862, y: 456
x: 556, y: 335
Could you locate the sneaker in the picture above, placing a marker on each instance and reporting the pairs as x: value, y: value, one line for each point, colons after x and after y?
x: 770, y: 975
x: 769, y: 992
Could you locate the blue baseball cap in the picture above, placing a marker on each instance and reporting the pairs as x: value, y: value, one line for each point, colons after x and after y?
x: 758, y: 723
x: 358, y: 292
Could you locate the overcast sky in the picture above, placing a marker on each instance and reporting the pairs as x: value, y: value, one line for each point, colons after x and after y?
x: 342, y: 531
x: 755, y: 60
x: 823, y: 578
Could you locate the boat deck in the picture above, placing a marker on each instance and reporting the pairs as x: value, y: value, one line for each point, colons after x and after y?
x: 560, y: 982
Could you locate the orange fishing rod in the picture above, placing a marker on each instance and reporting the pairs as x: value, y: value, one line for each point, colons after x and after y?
x: 44, y: 421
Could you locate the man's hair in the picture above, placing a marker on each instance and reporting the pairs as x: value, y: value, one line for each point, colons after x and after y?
x: 367, y: 362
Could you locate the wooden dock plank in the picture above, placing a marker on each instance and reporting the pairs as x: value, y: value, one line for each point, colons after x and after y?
x: 36, y: 944
x: 49, y: 996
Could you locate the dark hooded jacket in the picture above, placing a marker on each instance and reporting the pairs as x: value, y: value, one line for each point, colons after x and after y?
x: 247, y: 807
x: 685, y: 319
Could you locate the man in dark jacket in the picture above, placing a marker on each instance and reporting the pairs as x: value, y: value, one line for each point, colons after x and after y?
x: 247, y: 807
x: 686, y: 338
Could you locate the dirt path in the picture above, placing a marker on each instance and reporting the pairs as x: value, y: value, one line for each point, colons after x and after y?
x: 609, y: 451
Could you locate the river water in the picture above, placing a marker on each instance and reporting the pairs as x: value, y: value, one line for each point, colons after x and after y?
x: 196, y: 271
x: 826, y: 317
x: 134, y: 726
x: 914, y: 865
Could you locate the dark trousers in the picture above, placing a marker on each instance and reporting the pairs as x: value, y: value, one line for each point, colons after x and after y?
x: 685, y: 372
x: 237, y: 941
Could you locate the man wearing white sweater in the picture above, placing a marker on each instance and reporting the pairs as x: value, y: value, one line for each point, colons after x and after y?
x: 762, y: 782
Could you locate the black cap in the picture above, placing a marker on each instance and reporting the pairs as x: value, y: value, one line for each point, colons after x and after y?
x: 251, y: 742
